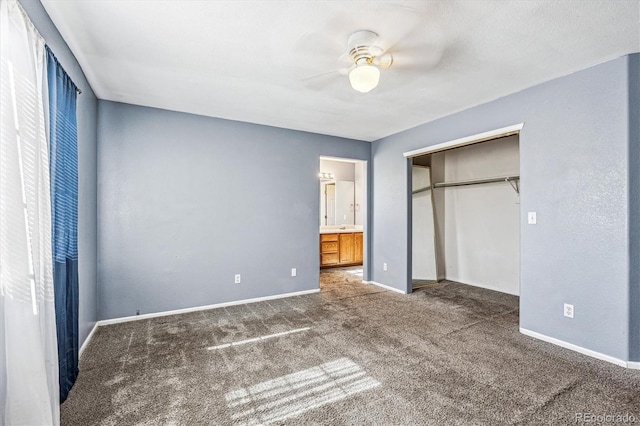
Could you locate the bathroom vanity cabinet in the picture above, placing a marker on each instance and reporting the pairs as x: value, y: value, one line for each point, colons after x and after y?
x: 340, y: 249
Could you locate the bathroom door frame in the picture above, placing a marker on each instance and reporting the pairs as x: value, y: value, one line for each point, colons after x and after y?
x: 366, y: 215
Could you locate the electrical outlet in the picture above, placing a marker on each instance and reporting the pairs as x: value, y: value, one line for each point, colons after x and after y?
x: 532, y: 218
x: 384, y: 266
x: 568, y: 310
x: 137, y: 311
x: 237, y: 278
x: 294, y: 272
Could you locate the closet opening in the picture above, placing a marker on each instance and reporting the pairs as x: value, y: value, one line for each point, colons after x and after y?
x: 464, y: 214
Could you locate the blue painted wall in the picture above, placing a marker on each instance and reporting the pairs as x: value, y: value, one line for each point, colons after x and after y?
x: 574, y: 158
x: 186, y: 202
x: 87, y: 166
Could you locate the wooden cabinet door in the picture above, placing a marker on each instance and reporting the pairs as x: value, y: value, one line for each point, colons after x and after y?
x: 346, y: 248
x: 357, y: 247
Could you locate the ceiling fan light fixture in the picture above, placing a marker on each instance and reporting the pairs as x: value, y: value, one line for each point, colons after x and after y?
x: 364, y: 77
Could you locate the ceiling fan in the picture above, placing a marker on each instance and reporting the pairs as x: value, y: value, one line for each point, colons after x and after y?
x: 412, y: 52
x: 367, y: 58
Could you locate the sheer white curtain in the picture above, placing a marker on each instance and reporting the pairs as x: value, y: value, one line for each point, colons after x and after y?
x: 28, y: 351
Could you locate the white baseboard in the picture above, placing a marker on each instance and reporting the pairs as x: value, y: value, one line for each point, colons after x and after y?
x: 203, y: 308
x: 634, y: 365
x: 86, y: 341
x: 580, y: 349
x: 488, y: 287
x: 385, y: 286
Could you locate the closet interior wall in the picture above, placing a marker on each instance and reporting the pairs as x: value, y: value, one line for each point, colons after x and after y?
x: 477, y: 226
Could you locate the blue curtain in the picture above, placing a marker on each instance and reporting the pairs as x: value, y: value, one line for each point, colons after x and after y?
x: 63, y: 164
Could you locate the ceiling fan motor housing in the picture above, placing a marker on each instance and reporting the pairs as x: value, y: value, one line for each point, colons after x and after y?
x: 362, y: 49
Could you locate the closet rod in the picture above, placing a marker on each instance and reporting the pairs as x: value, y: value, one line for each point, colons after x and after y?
x: 508, y: 179
x: 417, y: 191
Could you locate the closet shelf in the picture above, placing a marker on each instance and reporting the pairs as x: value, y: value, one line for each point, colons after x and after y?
x: 511, y: 180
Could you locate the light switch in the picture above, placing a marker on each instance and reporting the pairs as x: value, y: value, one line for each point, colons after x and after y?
x: 532, y: 220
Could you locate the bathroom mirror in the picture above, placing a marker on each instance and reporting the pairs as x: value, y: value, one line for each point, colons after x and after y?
x: 337, y: 203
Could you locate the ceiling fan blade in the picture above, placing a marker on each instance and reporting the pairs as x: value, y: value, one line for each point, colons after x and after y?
x: 390, y: 33
x: 422, y: 48
x: 419, y: 41
x: 314, y: 46
x: 316, y: 52
x: 332, y: 84
x: 335, y: 72
x: 383, y: 61
x: 424, y: 58
x: 327, y: 80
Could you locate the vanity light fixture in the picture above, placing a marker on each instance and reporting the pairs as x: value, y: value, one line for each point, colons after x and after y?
x: 325, y: 176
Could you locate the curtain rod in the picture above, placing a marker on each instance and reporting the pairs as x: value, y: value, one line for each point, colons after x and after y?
x: 33, y: 28
x: 78, y: 90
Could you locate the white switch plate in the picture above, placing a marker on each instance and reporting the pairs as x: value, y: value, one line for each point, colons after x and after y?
x: 294, y: 272
x: 531, y: 218
x: 237, y: 278
x: 384, y: 266
x: 568, y: 310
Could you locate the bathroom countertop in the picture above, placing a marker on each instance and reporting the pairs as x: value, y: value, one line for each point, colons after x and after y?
x: 338, y: 230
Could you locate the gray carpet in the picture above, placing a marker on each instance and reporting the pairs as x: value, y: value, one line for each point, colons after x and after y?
x: 352, y: 354
x: 416, y: 284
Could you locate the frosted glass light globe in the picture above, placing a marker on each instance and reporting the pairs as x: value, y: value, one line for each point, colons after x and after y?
x: 364, y: 78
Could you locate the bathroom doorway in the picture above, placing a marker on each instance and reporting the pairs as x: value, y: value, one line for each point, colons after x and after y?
x: 342, y: 215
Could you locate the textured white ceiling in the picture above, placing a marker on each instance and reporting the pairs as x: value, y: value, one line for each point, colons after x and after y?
x: 255, y: 61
